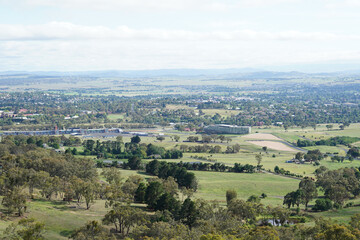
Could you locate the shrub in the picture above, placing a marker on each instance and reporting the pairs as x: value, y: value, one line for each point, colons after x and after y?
x: 349, y: 204
x: 230, y: 195
x: 316, y: 163
x: 323, y: 204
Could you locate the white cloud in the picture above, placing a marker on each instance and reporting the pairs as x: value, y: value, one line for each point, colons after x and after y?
x: 353, y: 3
x: 97, y: 54
x: 155, y: 4
x: 69, y: 31
x: 172, y: 4
x: 174, y: 33
x: 230, y: 24
x: 343, y: 3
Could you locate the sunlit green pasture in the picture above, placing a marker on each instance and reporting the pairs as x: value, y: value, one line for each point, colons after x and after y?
x: 60, y: 218
x: 114, y: 117
x: 213, y: 186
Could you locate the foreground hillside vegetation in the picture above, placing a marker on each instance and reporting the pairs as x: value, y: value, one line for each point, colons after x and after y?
x: 296, y: 176
x: 58, y: 193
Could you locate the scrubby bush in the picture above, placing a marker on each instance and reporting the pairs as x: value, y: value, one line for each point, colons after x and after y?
x: 323, y: 204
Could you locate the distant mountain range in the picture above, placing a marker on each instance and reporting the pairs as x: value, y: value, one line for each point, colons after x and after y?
x: 248, y: 73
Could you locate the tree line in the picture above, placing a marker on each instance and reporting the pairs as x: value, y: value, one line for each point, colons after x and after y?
x: 120, y: 150
x: 333, y: 141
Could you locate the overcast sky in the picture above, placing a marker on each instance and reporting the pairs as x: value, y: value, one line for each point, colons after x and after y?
x: 71, y: 35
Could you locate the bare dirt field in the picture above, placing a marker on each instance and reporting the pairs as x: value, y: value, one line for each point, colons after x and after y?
x: 261, y: 136
x: 273, y: 145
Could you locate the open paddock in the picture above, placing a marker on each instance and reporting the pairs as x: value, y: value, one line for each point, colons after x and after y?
x: 261, y: 136
x: 274, y: 145
x: 213, y: 186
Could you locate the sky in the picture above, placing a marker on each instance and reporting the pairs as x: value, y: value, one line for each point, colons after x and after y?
x: 82, y: 35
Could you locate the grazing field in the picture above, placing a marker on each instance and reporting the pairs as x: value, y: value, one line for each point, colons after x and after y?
x: 213, y: 185
x: 340, y: 215
x: 61, y: 218
x: 222, y: 112
x: 115, y: 117
x: 291, y: 137
x: 261, y: 136
x: 352, y: 131
x: 273, y: 145
x: 329, y: 149
x: 315, y: 136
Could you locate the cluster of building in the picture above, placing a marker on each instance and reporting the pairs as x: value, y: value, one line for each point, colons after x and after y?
x: 21, y: 115
x: 218, y: 99
x: 85, y: 133
x: 71, y: 131
x: 296, y: 161
x: 7, y: 114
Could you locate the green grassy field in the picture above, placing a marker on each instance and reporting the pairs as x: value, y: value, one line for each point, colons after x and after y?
x: 352, y: 131
x: 222, y: 112
x: 340, y: 216
x: 328, y: 149
x: 60, y: 218
x: 115, y: 117
x: 289, y: 137
x: 213, y: 186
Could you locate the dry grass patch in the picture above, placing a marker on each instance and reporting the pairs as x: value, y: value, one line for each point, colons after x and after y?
x: 261, y: 136
x: 273, y: 145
